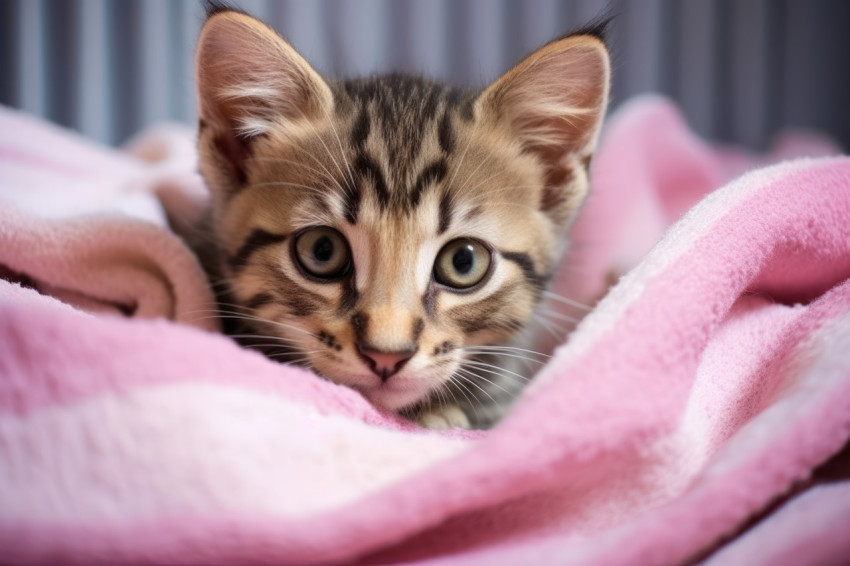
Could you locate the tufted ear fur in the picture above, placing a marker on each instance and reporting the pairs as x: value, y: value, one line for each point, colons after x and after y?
x: 553, y: 103
x: 249, y: 79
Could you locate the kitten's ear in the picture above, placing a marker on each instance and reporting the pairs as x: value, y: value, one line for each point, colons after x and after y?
x: 553, y: 102
x: 249, y: 78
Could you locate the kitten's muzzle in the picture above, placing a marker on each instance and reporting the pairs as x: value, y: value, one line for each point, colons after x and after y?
x: 385, y: 364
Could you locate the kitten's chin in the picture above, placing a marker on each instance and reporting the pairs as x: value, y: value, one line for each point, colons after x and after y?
x: 399, y: 392
x: 395, y: 396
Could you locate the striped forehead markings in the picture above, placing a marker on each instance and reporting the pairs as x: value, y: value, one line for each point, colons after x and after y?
x: 362, y: 127
x: 445, y: 213
x: 445, y: 134
x: 351, y: 199
x: 368, y: 168
x: 404, y: 109
x: 432, y: 174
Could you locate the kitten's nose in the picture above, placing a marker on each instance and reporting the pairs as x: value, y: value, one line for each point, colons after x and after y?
x: 385, y: 364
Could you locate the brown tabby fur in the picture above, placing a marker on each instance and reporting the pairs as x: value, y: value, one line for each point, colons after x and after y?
x: 400, y: 166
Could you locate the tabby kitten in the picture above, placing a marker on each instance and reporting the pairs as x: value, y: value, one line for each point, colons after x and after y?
x: 386, y: 232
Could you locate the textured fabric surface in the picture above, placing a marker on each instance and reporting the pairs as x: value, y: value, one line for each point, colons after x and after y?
x: 706, y: 385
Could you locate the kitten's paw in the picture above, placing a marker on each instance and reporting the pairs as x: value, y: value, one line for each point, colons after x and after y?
x: 443, y: 417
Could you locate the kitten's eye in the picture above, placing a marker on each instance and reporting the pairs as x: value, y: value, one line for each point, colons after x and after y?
x: 323, y: 252
x: 462, y: 263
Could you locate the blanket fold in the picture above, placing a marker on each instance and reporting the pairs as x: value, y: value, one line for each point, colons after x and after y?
x: 683, y: 420
x: 83, y: 224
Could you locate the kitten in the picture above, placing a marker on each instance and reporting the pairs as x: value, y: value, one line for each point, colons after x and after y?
x: 389, y: 232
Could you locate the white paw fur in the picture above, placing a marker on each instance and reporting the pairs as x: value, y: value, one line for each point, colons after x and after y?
x: 443, y: 417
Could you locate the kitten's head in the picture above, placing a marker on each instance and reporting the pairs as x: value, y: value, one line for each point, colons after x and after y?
x: 378, y: 227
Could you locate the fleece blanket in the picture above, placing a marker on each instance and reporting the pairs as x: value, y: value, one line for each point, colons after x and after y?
x: 696, y: 414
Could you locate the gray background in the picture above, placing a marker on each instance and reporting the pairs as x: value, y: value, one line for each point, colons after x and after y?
x: 741, y: 69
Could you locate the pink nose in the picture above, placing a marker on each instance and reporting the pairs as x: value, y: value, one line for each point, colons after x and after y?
x: 385, y: 364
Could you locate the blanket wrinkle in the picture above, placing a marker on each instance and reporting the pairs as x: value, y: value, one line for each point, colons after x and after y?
x: 83, y: 223
x: 684, y: 420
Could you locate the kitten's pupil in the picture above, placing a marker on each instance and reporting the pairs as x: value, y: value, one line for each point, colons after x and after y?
x: 463, y: 260
x: 323, y: 249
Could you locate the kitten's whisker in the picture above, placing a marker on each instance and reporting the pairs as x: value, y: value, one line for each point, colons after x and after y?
x: 231, y: 305
x: 281, y: 357
x: 327, y: 149
x: 543, y: 319
x: 315, y: 190
x: 341, y: 150
x: 242, y: 316
x: 559, y: 316
x: 190, y: 315
x: 200, y: 318
x: 290, y: 349
x: 557, y: 333
x: 481, y: 182
x: 428, y: 402
x: 330, y: 176
x: 324, y: 175
x: 465, y: 375
x: 462, y: 188
x: 501, y: 348
x: 215, y: 308
x: 301, y: 363
x: 507, y: 355
x: 444, y: 393
x: 471, y: 377
x: 491, y: 382
x: 463, y: 155
x: 333, y: 159
x: 212, y: 309
x: 442, y: 399
x: 566, y: 301
x: 289, y: 360
x: 495, y: 369
x: 264, y: 336
x: 499, y: 190
x: 447, y: 386
x: 486, y: 200
x: 299, y: 351
x: 230, y: 316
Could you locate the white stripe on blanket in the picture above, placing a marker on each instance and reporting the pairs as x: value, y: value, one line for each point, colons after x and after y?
x: 220, y: 445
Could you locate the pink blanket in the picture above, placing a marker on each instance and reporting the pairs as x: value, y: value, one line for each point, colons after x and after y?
x: 687, y: 419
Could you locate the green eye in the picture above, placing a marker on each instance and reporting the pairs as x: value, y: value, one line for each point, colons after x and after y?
x: 462, y: 263
x: 323, y: 252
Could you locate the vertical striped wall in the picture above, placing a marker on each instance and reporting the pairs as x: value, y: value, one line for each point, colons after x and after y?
x: 741, y: 69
